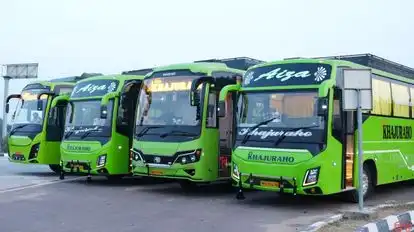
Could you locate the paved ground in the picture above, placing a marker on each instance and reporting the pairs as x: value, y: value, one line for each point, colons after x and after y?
x: 33, y: 200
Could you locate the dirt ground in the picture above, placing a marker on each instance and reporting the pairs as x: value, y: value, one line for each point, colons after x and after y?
x: 351, y: 225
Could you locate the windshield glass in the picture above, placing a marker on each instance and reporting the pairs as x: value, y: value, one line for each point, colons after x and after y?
x: 291, y: 116
x: 27, y: 112
x: 86, y: 119
x: 166, y: 102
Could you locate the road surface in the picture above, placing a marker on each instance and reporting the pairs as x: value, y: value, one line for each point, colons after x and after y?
x: 32, y: 199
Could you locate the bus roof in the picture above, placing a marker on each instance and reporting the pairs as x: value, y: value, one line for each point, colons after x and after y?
x: 236, y: 64
x: 387, y: 69
x: 119, y: 77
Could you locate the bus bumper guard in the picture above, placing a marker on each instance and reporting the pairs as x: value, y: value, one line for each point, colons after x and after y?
x: 75, y: 165
x: 282, y: 181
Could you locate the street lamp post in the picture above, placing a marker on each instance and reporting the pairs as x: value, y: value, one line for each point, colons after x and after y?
x: 15, y: 71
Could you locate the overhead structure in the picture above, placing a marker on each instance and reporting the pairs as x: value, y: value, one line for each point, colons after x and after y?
x: 16, y: 71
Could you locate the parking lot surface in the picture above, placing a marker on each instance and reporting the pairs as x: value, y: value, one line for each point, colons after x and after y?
x: 33, y: 199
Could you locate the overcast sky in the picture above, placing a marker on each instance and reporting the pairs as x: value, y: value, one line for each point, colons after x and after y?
x: 68, y: 37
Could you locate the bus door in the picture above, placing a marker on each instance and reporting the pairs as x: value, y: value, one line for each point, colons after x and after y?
x: 344, y: 131
x: 126, y: 113
x: 226, y: 127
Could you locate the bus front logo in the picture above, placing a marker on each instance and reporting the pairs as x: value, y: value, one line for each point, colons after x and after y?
x: 157, y: 160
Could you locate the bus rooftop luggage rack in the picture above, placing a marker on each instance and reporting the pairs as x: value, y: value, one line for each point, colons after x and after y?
x: 76, y: 78
x: 242, y: 63
x: 376, y: 62
x: 138, y: 71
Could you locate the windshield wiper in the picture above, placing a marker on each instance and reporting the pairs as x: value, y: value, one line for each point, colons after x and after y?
x: 293, y: 129
x: 254, y: 127
x: 145, y: 130
x: 68, y: 134
x: 16, y: 128
x: 87, y: 133
x: 184, y: 133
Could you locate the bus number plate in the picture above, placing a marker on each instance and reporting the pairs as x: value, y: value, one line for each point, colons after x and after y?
x: 76, y: 166
x: 269, y: 184
x: 156, y: 172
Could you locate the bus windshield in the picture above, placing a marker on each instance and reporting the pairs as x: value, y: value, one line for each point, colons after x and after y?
x: 27, y: 112
x: 86, y: 119
x: 165, y: 102
x: 282, y: 116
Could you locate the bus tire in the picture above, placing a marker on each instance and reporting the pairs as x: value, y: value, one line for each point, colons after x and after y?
x: 55, y: 168
x: 353, y: 196
x: 188, y: 186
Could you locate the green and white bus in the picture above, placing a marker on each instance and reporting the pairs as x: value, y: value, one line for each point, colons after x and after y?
x: 99, y: 125
x: 177, y: 132
x: 37, y: 129
x: 293, y: 135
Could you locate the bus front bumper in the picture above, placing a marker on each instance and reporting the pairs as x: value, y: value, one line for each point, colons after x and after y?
x: 281, y: 184
x: 82, y: 167
x: 186, y: 172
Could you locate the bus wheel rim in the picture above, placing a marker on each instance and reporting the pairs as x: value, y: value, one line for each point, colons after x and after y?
x: 365, y: 183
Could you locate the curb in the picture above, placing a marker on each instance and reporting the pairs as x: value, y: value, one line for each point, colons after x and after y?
x: 404, y: 222
x: 318, y: 225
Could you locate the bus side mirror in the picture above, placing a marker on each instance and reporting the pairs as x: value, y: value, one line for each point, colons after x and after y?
x: 104, y: 112
x: 7, y: 108
x: 322, y: 106
x: 221, y: 109
x: 39, y: 105
x: 194, y: 98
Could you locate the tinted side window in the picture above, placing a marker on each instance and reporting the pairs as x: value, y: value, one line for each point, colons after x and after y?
x: 382, y: 101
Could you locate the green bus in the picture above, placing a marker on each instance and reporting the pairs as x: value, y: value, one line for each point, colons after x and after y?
x: 294, y: 137
x: 99, y: 125
x: 37, y: 129
x: 177, y: 133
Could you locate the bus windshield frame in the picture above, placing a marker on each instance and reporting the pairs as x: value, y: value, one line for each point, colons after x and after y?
x: 164, y: 112
x: 86, y: 121
x: 288, y: 116
x: 27, y: 118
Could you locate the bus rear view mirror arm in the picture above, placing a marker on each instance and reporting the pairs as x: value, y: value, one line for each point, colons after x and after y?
x: 39, y: 102
x: 60, y: 99
x: 221, y: 111
x: 104, y: 103
x: 194, y: 97
x: 9, y: 98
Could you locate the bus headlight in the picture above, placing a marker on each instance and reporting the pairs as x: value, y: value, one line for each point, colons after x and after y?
x: 186, y: 157
x: 135, y: 155
x: 101, y: 160
x: 34, y: 151
x: 236, y: 172
x: 311, y: 176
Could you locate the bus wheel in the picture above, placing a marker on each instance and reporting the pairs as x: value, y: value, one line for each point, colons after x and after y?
x: 188, y: 186
x: 367, y: 186
x: 55, y: 168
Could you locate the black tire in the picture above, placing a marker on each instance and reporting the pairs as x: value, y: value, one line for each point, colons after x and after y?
x: 353, y: 196
x: 55, y: 168
x: 188, y: 186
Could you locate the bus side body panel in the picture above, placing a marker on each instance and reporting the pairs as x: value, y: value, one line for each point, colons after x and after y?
x: 391, y: 151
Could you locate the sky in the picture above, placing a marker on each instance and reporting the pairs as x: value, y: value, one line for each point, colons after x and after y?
x: 69, y: 37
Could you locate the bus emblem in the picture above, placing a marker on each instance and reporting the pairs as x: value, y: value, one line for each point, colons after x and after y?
x: 157, y: 160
